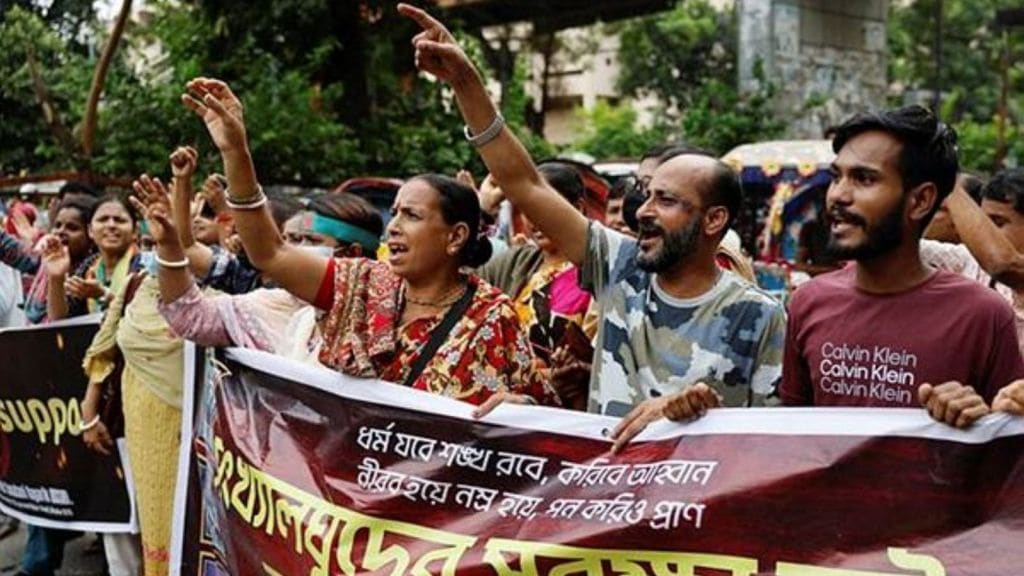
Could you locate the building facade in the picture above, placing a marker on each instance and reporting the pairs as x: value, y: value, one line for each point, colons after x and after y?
x: 827, y: 59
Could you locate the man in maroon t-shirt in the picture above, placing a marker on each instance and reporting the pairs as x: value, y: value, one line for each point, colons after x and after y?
x: 888, y: 331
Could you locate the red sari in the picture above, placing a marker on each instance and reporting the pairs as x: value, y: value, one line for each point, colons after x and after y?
x: 485, y: 352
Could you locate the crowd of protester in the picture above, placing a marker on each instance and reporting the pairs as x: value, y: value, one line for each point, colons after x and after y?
x: 653, y: 313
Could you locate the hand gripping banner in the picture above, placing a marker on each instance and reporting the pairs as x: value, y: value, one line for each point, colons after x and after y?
x: 295, y: 470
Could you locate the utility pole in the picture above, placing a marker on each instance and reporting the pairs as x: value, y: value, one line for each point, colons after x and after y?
x: 937, y: 86
x: 1005, y: 20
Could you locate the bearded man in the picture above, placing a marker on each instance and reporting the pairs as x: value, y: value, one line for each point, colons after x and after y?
x: 889, y: 330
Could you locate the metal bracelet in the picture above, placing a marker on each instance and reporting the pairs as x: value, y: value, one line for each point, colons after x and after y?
x: 90, y: 424
x: 248, y: 203
x: 183, y: 263
x: 489, y: 134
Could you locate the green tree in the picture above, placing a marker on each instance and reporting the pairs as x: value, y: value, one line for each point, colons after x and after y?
x: 686, y: 59
x: 720, y: 118
x: 969, y: 76
x: 671, y: 54
x: 611, y: 131
x: 142, y: 119
x: 41, y: 71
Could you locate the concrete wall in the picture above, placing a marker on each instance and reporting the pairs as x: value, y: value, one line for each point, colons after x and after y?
x: 826, y: 53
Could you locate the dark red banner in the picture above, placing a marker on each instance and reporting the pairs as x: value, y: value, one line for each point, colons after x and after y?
x: 48, y: 476
x: 296, y: 470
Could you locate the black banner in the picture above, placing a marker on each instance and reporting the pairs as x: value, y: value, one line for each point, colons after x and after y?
x: 48, y: 477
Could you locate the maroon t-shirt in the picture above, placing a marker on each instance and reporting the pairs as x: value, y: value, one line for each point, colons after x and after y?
x: 846, y: 347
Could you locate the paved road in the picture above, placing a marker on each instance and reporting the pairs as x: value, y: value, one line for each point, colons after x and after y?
x: 81, y: 557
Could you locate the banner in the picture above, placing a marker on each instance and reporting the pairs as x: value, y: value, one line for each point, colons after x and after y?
x: 48, y: 476
x: 294, y: 470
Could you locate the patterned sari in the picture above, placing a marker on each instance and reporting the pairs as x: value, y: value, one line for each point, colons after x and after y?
x: 549, y: 302
x: 485, y: 352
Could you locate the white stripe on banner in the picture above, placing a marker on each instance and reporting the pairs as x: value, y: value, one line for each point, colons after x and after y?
x: 903, y: 422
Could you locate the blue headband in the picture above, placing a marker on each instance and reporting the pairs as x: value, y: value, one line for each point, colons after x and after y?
x: 344, y: 232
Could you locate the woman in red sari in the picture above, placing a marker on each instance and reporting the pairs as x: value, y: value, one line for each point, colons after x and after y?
x: 380, y: 316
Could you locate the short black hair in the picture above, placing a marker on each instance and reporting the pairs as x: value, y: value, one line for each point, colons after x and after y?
x: 663, y: 152
x: 929, y: 151
x: 1007, y: 186
x: 679, y: 150
x: 725, y: 189
x: 77, y: 188
x: 84, y: 206
x: 565, y: 179
x: 118, y: 198
x: 655, y: 152
x: 621, y: 187
x: 459, y: 203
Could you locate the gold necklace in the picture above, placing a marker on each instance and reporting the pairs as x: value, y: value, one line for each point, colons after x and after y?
x: 444, y: 301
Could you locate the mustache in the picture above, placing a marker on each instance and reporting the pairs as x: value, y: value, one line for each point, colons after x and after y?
x: 649, y: 227
x: 843, y: 215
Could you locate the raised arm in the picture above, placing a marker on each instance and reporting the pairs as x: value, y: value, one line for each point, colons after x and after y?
x: 57, y: 264
x: 153, y: 203
x: 993, y: 251
x: 17, y: 255
x: 506, y: 158
x: 298, y: 271
x: 183, y: 167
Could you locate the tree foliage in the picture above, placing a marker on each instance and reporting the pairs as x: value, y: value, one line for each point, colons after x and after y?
x: 672, y: 54
x: 611, y: 131
x: 308, y: 123
x: 969, y: 77
x: 686, y: 59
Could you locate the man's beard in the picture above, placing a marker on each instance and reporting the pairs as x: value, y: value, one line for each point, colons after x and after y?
x: 675, y: 246
x: 882, y: 237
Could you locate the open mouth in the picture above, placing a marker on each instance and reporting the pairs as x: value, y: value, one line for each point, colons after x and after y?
x: 396, y: 250
x: 648, y: 236
x: 841, y: 221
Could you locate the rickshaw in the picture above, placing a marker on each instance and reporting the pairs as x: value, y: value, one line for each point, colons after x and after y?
x: 784, y: 184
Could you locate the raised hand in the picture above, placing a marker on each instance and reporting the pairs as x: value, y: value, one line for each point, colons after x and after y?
x: 84, y: 289
x: 437, y: 52
x: 491, y: 195
x: 220, y: 109
x: 23, y: 227
x: 183, y: 162
x: 214, y: 193
x: 466, y: 177
x: 153, y: 202
x: 56, y: 258
x: 196, y: 208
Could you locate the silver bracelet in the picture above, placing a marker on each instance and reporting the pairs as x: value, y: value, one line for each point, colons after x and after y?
x: 489, y: 134
x: 257, y: 200
x: 90, y: 424
x: 183, y: 263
